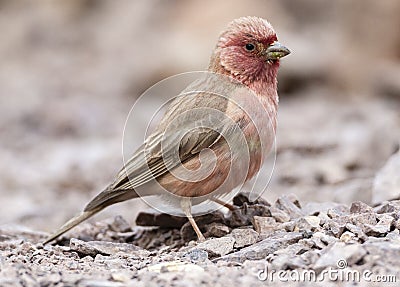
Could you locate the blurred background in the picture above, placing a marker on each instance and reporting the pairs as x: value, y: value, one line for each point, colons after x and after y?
x: 70, y: 71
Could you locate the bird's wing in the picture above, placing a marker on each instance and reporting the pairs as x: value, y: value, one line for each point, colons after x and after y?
x: 189, y: 126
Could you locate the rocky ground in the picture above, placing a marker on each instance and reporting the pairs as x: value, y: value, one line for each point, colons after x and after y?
x: 360, y: 244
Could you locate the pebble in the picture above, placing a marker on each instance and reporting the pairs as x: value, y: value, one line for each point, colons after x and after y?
x: 265, y: 225
x: 217, y: 246
x: 244, y: 237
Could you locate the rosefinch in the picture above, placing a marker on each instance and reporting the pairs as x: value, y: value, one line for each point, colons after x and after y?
x: 247, y: 53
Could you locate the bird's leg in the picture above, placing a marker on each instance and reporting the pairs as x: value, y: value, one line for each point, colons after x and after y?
x: 227, y: 205
x: 186, y: 206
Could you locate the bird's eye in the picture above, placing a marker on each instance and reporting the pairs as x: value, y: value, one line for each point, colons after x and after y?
x: 250, y: 47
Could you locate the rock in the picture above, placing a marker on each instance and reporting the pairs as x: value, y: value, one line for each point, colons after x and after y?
x: 387, y: 182
x: 323, y: 216
x: 278, y: 214
x: 154, y: 218
x: 196, y: 255
x: 394, y: 236
x: 290, y: 205
x: 244, y: 237
x: 217, y: 246
x: 93, y: 248
x: 216, y: 230
x: 361, y: 219
x: 381, y: 228
x: 314, y: 242
x: 325, y: 238
x: 122, y: 276
x: 358, y: 231
x: 360, y: 207
x: 243, y: 197
x: 388, y: 207
x: 308, y: 223
x: 347, y: 236
x: 334, y: 228
x: 262, y: 249
x: 288, y: 258
x: 203, y: 221
x: 119, y: 224
x: 337, y: 211
x: 265, y: 225
x: 244, y: 215
x: 340, y: 255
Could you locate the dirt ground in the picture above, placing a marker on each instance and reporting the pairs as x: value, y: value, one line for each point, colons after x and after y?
x: 69, y: 74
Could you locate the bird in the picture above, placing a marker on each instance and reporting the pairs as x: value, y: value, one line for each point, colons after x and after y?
x: 207, y: 143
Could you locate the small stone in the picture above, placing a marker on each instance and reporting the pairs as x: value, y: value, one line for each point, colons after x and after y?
x: 340, y: 255
x: 394, y: 236
x: 381, y: 228
x: 315, y: 242
x: 347, y: 236
x: 216, y: 230
x: 290, y: 205
x: 242, y: 198
x: 323, y: 216
x: 357, y: 231
x: 119, y: 224
x: 287, y: 258
x: 244, y: 216
x: 217, y: 246
x: 308, y: 223
x: 362, y: 219
x: 121, y: 276
x: 265, y: 225
x: 360, y: 207
x: 288, y: 226
x: 279, y: 215
x: 337, y: 212
x: 244, y: 237
x: 333, y: 227
x: 327, y: 239
x: 388, y: 207
x: 196, y: 255
x: 262, y: 249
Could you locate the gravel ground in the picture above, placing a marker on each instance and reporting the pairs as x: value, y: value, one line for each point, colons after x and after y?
x: 249, y: 245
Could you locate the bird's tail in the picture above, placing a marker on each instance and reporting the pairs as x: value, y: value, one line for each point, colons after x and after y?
x: 101, y: 201
x: 72, y: 223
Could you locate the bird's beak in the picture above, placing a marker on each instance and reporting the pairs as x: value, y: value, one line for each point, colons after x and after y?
x: 276, y: 51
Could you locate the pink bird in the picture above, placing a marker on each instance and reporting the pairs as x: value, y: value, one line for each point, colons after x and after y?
x: 212, y: 140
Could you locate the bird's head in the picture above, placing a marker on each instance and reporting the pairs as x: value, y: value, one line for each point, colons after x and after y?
x: 248, y: 50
